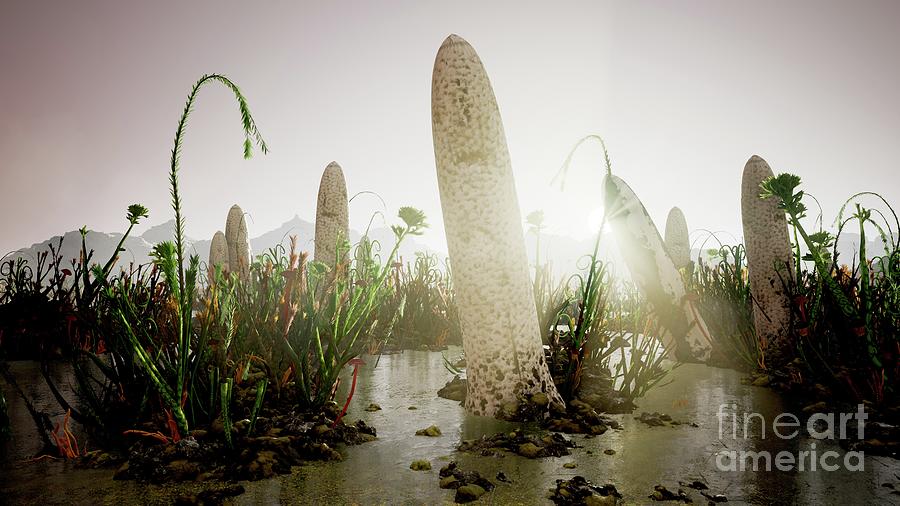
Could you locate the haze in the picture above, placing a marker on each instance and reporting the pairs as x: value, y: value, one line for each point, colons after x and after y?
x: 682, y: 92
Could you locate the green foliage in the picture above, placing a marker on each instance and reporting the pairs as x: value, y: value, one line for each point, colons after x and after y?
x: 334, y: 314
x: 783, y: 188
x: 724, y: 301
x: 421, y: 300
x: 846, y: 321
x: 173, y: 382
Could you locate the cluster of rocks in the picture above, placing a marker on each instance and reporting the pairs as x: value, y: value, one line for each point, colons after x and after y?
x: 704, y: 491
x: 580, y: 417
x: 579, y: 491
x: 528, y: 446
x: 661, y: 493
x: 597, y: 389
x: 657, y: 419
x: 277, y: 444
x: 469, y: 485
x: 881, y: 439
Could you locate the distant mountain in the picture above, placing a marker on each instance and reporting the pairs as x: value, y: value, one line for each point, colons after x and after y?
x: 138, y: 248
x: 159, y: 233
x: 567, y: 254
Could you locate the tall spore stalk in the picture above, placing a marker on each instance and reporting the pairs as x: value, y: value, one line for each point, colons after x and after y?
x: 169, y: 256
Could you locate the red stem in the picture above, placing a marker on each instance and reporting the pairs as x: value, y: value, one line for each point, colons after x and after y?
x: 349, y: 397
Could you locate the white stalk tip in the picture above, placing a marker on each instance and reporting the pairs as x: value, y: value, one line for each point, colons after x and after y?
x: 332, y: 215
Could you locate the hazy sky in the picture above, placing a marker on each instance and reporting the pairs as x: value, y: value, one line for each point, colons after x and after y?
x: 683, y: 92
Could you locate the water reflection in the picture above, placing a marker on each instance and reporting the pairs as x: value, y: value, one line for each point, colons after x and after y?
x: 378, y: 472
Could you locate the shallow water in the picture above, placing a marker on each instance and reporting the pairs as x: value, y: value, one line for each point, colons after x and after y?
x: 378, y: 472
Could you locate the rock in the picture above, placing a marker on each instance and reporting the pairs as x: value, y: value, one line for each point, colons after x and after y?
x: 609, y: 451
x: 821, y: 391
x: 331, y: 410
x: 183, y: 469
x: 327, y: 453
x: 818, y: 407
x: 600, y: 500
x: 122, y: 473
x: 97, y: 459
x: 661, y: 493
x: 570, y: 465
x: 432, y: 431
x: 420, y: 465
x: 540, y: 399
x: 263, y: 466
x: 468, y: 493
x: 599, y: 429
x: 651, y: 419
x: 242, y: 425
x: 365, y: 438
x: 321, y: 430
x: 529, y: 450
x: 581, y: 407
x: 449, y: 482
x: 564, y: 425
x: 454, y: 390
x: 580, y: 491
x: 501, y: 476
x: 762, y: 381
x: 373, y: 407
x: 199, y: 434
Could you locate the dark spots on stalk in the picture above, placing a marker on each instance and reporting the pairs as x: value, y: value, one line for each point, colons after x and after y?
x: 535, y: 373
x: 483, y: 403
x: 501, y: 376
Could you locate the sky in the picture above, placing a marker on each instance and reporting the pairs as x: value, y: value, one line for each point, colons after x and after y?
x: 683, y: 93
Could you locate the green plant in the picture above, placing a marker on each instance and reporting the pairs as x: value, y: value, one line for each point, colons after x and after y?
x: 725, y: 302
x: 423, y: 304
x: 784, y: 189
x: 634, y: 353
x: 585, y: 324
x: 169, y: 373
x: 333, y: 312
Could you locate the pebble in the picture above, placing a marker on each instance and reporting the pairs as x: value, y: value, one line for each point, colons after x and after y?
x: 420, y: 465
x: 432, y: 431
